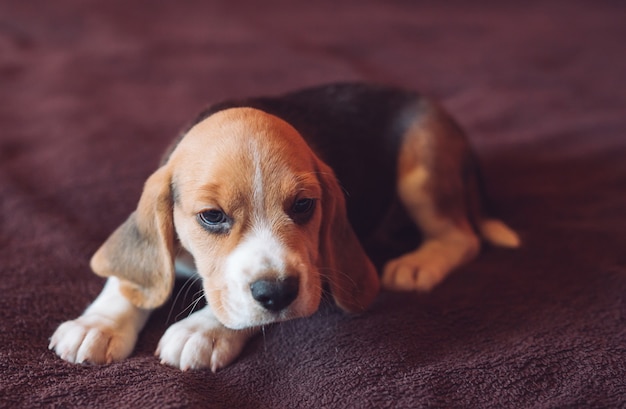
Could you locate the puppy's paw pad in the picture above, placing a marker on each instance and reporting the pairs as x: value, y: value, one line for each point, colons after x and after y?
x: 92, y: 339
x: 196, y: 345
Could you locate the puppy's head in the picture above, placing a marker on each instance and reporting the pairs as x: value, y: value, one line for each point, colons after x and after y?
x: 262, y: 216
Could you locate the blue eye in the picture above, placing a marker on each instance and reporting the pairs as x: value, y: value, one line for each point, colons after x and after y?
x: 214, y: 221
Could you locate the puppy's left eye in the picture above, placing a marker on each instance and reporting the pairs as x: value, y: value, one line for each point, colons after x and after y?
x: 302, y: 209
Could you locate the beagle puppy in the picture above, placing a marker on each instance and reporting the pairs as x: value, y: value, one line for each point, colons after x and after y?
x: 271, y: 200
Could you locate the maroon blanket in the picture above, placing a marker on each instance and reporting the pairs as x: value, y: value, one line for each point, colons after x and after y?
x: 92, y: 92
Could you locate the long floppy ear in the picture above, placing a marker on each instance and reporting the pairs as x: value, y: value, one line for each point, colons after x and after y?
x: 350, y: 273
x: 141, y: 251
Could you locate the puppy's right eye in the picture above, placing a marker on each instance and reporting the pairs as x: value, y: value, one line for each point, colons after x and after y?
x: 212, y: 217
x: 214, y: 220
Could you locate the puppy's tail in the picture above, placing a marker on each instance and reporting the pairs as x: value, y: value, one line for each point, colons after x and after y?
x: 492, y: 230
x: 497, y: 233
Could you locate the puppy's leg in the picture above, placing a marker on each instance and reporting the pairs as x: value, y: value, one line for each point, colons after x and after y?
x: 201, y: 341
x: 432, y: 168
x: 106, y: 332
x: 447, y: 244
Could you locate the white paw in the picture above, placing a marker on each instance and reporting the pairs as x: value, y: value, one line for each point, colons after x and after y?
x: 94, y: 339
x: 201, y: 341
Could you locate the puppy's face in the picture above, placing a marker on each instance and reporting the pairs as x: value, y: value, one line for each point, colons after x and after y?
x: 247, y: 206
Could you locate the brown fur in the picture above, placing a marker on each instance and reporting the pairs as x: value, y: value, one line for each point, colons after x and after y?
x: 212, y: 166
x: 140, y: 251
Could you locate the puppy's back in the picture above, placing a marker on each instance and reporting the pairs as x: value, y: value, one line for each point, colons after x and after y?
x: 355, y: 128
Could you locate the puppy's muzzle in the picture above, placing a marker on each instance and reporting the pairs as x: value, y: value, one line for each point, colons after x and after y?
x: 275, y: 294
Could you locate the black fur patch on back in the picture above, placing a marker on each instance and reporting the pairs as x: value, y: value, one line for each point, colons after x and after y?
x: 356, y: 129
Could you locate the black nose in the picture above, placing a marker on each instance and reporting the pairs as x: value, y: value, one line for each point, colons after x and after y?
x: 275, y: 294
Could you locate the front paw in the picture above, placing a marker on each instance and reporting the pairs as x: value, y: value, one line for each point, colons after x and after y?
x: 93, y: 339
x: 200, y: 341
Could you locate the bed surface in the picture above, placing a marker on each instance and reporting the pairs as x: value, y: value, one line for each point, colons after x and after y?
x: 91, y: 94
